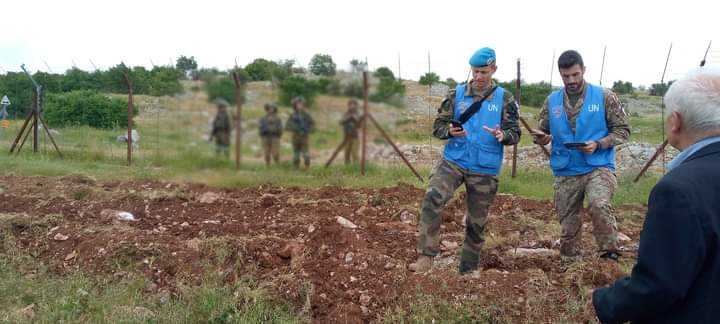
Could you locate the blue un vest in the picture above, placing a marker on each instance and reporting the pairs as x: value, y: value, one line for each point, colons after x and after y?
x: 590, y: 125
x: 479, y: 151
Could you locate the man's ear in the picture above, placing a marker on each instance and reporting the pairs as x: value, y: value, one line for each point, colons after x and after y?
x: 676, y: 122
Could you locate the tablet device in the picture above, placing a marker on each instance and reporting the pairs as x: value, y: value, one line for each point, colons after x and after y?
x: 572, y: 145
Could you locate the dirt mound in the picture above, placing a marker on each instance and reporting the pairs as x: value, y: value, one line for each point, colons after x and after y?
x: 287, y: 237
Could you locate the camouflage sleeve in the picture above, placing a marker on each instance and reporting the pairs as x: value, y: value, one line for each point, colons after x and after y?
x: 509, y: 123
x: 441, y: 127
x: 617, y: 122
x: 290, y: 124
x: 543, y: 121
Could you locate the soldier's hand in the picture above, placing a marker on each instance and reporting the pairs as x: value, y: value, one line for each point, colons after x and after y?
x: 589, y: 148
x: 457, y: 132
x: 539, y: 137
x: 496, y: 132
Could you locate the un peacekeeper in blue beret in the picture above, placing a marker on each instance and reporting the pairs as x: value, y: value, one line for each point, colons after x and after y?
x: 473, y: 155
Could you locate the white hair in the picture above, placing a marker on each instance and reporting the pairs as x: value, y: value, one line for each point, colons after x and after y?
x: 697, y: 98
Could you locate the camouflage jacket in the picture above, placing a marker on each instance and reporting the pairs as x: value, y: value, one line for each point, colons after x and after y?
x: 221, y: 128
x: 615, y: 116
x: 271, y: 126
x: 300, y: 123
x: 509, y: 121
x: 350, y: 123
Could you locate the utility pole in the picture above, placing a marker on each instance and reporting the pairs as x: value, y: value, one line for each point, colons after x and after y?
x: 552, y: 68
x: 602, y: 66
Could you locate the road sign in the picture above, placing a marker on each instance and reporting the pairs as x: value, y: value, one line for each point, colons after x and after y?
x: 5, y: 101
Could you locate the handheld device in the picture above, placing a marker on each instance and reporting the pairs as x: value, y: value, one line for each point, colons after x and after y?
x: 456, y: 123
x: 573, y: 145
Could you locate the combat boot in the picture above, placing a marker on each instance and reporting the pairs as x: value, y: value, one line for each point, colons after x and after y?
x: 423, y: 264
x: 466, y: 267
x: 610, y: 255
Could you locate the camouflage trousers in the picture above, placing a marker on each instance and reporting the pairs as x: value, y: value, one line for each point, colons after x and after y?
x: 271, y: 148
x: 301, y: 148
x: 481, y: 190
x: 351, y: 149
x: 570, y: 191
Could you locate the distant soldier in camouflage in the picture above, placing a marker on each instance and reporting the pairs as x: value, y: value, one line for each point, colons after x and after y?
x: 473, y: 155
x: 300, y: 124
x: 271, y: 130
x: 350, y: 124
x: 221, y: 128
x: 584, y: 122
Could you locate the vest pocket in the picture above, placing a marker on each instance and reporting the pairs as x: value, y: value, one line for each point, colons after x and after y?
x: 559, y: 159
x: 456, y: 148
x: 489, y: 156
x: 600, y: 157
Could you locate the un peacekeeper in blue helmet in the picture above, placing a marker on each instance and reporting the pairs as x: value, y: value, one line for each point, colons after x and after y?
x: 473, y: 155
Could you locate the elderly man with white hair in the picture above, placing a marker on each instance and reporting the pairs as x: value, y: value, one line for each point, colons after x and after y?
x: 677, y: 275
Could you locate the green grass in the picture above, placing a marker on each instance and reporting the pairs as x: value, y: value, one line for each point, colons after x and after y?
x: 430, y: 309
x: 206, y: 168
x: 538, y: 184
x: 26, y: 284
x: 77, y: 298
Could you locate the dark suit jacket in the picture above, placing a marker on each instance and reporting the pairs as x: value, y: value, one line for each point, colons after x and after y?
x: 677, y: 275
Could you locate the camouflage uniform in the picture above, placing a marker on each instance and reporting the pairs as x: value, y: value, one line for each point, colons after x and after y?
x: 300, y: 124
x: 271, y: 130
x: 447, y: 177
x: 221, y: 129
x: 598, y: 186
x: 350, y: 123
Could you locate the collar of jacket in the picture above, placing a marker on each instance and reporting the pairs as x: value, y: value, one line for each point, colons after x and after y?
x: 472, y: 90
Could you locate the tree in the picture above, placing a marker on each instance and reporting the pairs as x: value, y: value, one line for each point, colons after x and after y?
x: 429, y: 78
x: 357, y: 66
x: 621, y: 87
x: 186, y: 64
x: 451, y: 83
x: 383, y: 73
x: 322, y: 64
x: 659, y: 89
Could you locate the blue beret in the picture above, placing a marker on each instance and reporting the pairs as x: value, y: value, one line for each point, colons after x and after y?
x: 483, y: 57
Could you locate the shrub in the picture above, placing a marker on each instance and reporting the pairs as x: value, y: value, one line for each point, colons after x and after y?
x: 532, y: 94
x: 86, y: 107
x: 451, y: 83
x: 260, y: 69
x: 221, y: 88
x: 354, y: 89
x: 159, y: 81
x: 389, y: 91
x: 297, y: 86
x: 384, y: 72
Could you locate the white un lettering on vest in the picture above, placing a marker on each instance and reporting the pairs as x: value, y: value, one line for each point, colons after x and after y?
x: 492, y: 107
x: 594, y: 108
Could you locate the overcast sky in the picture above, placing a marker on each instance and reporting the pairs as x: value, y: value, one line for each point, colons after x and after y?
x: 51, y: 35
